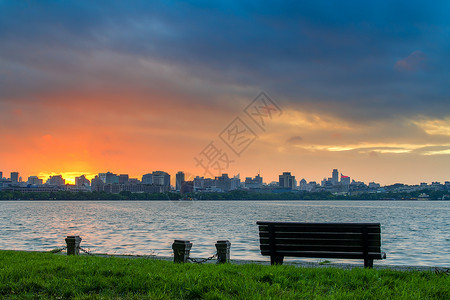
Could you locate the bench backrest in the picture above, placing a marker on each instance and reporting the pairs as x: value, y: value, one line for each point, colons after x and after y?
x: 321, y: 240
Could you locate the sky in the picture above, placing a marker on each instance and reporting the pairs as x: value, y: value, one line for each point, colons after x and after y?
x: 137, y: 86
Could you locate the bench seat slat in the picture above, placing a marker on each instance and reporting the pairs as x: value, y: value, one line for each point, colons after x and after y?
x: 321, y: 242
x: 334, y: 248
x: 330, y: 229
x: 310, y: 235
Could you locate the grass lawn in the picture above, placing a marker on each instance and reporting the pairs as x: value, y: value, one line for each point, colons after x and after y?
x: 44, y: 275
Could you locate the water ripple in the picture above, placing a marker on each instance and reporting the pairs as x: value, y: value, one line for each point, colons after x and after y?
x: 413, y: 233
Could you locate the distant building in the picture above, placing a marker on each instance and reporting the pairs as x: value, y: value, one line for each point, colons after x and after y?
x: 287, y: 181
x: 357, y: 186
x: 203, y: 184
x: 179, y: 178
x: 307, y: 186
x: 123, y: 178
x: 147, y: 178
x: 199, y: 183
x: 82, y: 181
x: 102, y: 177
x: 223, y: 182
x: 14, y: 177
x: 335, y: 177
x: 108, y: 177
x: 97, y: 184
x: 133, y: 188
x: 133, y: 181
x: 254, y: 183
x: 345, y: 180
x: 235, y: 183
x: 34, y: 180
x: 1, y: 175
x: 303, y: 185
x: 56, y: 180
x: 161, y: 178
x: 187, y: 187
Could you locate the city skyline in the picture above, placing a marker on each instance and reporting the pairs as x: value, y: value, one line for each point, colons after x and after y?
x: 334, y: 176
x: 362, y: 87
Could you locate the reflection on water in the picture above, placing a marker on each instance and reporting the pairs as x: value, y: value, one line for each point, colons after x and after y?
x: 413, y: 233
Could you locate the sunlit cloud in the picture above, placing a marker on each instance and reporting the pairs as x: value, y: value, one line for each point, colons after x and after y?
x: 438, y: 152
x: 309, y: 120
x: 378, y: 148
x: 435, y: 127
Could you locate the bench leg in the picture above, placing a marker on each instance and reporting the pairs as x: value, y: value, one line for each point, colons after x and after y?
x: 368, y: 263
x: 276, y: 260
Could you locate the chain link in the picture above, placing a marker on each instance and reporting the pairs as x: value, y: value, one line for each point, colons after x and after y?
x: 85, y: 251
x: 201, y: 260
x: 58, y: 250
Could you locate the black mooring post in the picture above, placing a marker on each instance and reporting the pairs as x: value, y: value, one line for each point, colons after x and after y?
x: 73, y: 244
x: 181, y: 251
x: 223, y: 251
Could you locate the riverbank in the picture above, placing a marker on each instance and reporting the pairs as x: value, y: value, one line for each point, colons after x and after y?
x: 46, y: 275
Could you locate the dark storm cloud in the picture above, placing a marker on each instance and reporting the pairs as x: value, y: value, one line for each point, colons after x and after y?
x: 355, y: 59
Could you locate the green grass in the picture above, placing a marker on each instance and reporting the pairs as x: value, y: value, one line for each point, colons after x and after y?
x: 45, y: 275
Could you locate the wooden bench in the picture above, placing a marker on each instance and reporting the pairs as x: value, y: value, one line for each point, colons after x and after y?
x: 321, y: 240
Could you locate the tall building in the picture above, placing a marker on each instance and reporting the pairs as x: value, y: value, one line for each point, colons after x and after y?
x: 1, y: 175
x: 335, y: 177
x: 123, y: 178
x: 161, y: 178
x: 235, y: 183
x: 102, y: 177
x: 56, y: 180
x: 223, y: 182
x: 34, y: 180
x: 287, y: 181
x: 108, y: 178
x: 345, y: 180
x: 82, y: 181
x: 97, y: 184
x: 14, y: 177
x: 303, y: 185
x: 199, y: 183
x: 147, y: 178
x: 179, y: 178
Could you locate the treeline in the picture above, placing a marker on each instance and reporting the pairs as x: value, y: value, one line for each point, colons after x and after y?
x: 232, y: 195
x: 66, y: 195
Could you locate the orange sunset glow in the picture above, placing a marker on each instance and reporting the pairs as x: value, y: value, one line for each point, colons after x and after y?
x: 149, y: 89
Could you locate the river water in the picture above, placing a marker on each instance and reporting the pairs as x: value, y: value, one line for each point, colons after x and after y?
x: 413, y: 232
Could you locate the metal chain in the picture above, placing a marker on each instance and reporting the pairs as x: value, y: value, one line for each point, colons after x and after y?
x: 57, y: 250
x: 85, y: 251
x: 201, y: 260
